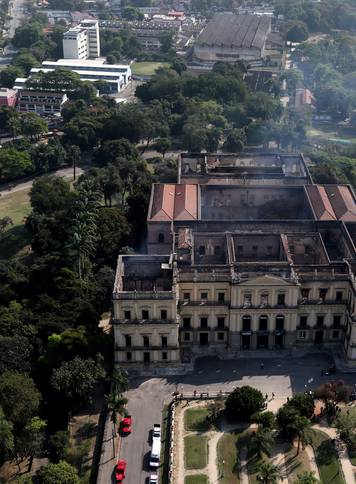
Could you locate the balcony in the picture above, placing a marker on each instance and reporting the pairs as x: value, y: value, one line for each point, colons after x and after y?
x: 265, y: 306
x: 145, y: 348
x: 144, y: 321
x: 312, y: 302
x: 203, y: 302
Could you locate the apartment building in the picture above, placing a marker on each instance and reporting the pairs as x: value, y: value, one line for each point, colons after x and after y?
x: 244, y: 252
x: 41, y: 102
x: 82, y: 41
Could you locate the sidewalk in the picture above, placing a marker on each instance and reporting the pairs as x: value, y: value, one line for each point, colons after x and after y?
x: 347, y: 467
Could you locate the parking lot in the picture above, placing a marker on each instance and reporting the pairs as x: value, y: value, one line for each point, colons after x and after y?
x: 147, y: 396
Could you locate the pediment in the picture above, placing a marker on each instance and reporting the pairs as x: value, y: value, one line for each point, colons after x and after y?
x: 267, y: 280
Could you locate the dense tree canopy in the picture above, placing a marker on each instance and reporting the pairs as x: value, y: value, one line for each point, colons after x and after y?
x: 243, y: 402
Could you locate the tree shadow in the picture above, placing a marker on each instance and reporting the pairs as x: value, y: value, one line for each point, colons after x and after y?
x: 326, y: 453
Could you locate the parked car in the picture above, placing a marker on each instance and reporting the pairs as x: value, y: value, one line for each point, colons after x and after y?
x: 126, y: 425
x: 153, y: 479
x: 156, y: 431
x: 120, y: 471
x: 155, y: 453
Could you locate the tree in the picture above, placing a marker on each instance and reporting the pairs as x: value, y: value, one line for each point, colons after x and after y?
x: 346, y: 423
x: 166, y: 39
x: 243, y: 402
x: 131, y: 13
x: 333, y: 393
x: 264, y: 419
x: 32, y: 125
x: 19, y: 397
x: 194, y: 137
x: 15, y: 353
x: 30, y: 440
x: 293, y: 425
x: 56, y: 80
x: 116, y: 405
x: 9, y: 75
x: 27, y: 34
x: 48, y: 156
x: 50, y: 194
x: 74, y: 156
x: 25, y: 61
x: 235, y: 140
x: 7, y: 443
x: 268, y: 473
x: 297, y: 32
x: 303, y: 403
x: 61, y: 473
x: 261, y: 442
x: 113, y: 234
x: 59, y: 445
x: 14, y: 163
x: 307, y: 478
x: 162, y: 145
x: 5, y: 223
x: 75, y: 380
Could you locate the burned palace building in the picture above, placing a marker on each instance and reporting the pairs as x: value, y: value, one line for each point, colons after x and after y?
x: 244, y: 252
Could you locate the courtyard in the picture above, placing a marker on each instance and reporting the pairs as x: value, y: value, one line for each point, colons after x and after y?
x: 285, y: 375
x: 223, y: 452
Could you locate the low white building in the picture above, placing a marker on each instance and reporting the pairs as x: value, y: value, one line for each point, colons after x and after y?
x: 82, y: 41
x: 117, y: 76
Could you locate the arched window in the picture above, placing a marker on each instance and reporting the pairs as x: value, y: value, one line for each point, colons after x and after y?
x: 263, y: 323
x: 246, y: 323
x: 280, y: 322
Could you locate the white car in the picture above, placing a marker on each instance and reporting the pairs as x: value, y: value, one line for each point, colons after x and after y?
x: 153, y: 479
x: 156, y: 431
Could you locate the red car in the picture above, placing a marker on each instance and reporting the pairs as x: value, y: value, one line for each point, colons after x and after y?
x: 120, y: 471
x: 126, y: 425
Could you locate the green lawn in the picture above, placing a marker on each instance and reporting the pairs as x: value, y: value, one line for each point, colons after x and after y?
x: 16, y: 206
x: 146, y: 68
x: 195, y: 419
x: 198, y: 479
x: 296, y: 464
x: 195, y: 451
x: 228, y: 453
x: 326, y: 458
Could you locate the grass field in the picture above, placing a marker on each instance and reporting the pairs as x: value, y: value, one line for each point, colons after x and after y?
x: 146, y: 68
x: 326, y: 458
x: 198, y: 479
x: 16, y: 206
x: 195, y: 419
x: 195, y: 451
x: 296, y: 464
x: 228, y: 453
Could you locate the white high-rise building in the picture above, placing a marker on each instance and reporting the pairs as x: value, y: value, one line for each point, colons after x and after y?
x: 82, y: 41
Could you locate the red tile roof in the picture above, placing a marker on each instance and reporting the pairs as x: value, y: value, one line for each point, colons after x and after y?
x: 174, y: 202
x: 342, y: 201
x: 320, y: 202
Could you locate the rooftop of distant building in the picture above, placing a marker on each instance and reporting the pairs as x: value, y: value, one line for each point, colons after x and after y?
x: 231, y: 30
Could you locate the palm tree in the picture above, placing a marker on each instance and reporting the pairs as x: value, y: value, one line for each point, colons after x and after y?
x: 116, y: 405
x: 261, y: 442
x: 268, y: 473
x: 300, y: 427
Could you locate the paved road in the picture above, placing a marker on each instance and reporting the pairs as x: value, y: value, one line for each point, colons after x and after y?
x: 17, y: 12
x: 147, y: 396
x: 12, y: 187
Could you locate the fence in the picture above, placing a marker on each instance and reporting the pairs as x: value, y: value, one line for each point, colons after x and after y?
x: 177, y: 398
